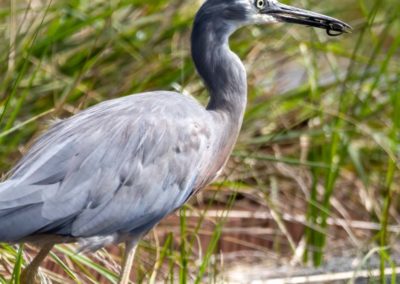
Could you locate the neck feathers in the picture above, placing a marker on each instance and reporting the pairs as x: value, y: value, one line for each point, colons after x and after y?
x: 221, y: 70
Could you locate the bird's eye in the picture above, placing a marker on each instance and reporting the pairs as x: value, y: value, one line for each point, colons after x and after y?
x: 260, y: 4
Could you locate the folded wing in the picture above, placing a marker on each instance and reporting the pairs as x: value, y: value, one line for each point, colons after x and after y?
x: 118, y: 167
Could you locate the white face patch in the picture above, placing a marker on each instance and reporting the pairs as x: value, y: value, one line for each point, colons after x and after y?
x: 263, y: 19
x: 257, y: 17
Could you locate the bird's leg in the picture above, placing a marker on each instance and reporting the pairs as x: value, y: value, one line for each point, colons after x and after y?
x: 129, y: 255
x: 29, y: 274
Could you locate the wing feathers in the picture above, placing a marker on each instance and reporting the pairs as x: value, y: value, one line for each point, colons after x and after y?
x: 118, y: 167
x: 17, y: 224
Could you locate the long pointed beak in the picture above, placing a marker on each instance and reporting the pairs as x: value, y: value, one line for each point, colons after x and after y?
x: 289, y: 14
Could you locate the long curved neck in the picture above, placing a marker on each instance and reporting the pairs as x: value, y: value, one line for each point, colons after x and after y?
x: 221, y: 70
x: 225, y: 78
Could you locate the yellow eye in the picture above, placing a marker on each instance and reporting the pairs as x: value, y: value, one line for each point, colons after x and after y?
x: 260, y: 4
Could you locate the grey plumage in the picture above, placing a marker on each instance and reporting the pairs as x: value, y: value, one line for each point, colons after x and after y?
x: 113, y: 171
x: 85, y: 181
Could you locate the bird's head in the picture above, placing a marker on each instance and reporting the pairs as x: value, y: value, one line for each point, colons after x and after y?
x: 244, y: 12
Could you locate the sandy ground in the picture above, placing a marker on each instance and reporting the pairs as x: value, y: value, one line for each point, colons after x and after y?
x: 343, y: 269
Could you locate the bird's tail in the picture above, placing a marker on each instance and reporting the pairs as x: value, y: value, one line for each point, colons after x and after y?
x: 20, y: 211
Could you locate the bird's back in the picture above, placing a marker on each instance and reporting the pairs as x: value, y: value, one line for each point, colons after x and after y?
x: 114, y: 169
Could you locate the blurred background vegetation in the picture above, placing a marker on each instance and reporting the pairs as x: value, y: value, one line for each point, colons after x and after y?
x: 314, y: 178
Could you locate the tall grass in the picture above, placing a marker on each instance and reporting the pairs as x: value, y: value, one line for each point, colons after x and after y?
x: 320, y: 137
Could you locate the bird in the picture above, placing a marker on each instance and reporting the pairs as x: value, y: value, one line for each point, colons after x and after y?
x: 110, y: 173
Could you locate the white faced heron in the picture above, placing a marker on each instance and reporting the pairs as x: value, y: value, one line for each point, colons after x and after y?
x: 110, y: 173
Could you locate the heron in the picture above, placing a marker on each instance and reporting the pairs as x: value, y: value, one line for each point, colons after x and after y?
x: 110, y: 173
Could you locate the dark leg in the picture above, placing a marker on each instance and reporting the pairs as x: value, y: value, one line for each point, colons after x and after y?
x: 29, y: 275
